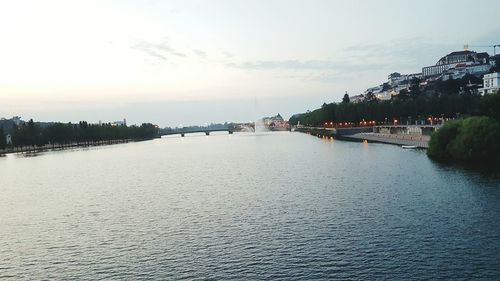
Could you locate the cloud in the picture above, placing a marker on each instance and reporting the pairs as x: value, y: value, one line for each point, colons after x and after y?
x: 200, y: 53
x: 160, y: 50
x: 227, y: 54
x: 338, y: 65
x: 285, y: 64
x: 409, y: 53
x: 365, y: 63
x: 403, y: 55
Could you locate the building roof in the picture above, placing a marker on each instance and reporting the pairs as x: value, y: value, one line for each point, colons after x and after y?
x: 444, y: 60
x: 458, y: 53
x: 482, y: 55
x: 274, y: 118
x: 357, y: 96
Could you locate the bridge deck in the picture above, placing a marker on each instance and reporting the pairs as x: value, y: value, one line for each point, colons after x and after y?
x: 206, y: 131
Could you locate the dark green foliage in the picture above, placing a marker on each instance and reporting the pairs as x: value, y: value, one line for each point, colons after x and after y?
x: 439, y: 145
x: 403, y: 95
x: 450, y: 99
x: 477, y: 141
x: 370, y: 97
x: 449, y: 87
x: 2, y: 139
x: 346, y: 99
x: 385, y: 86
x: 490, y: 105
x: 414, y: 108
x: 31, y: 134
x: 415, y: 87
x: 473, y: 140
x: 28, y: 134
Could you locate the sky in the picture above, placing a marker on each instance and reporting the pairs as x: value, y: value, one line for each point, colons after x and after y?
x: 195, y: 62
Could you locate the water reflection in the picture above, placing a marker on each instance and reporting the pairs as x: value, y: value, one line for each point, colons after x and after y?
x: 276, y: 206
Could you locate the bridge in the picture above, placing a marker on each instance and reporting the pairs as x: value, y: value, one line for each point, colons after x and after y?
x: 183, y: 132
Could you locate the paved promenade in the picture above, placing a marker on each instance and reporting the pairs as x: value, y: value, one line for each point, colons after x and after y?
x: 400, y: 139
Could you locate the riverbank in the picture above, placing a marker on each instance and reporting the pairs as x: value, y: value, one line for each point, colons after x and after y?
x: 50, y: 147
x: 360, y: 134
x: 398, y: 139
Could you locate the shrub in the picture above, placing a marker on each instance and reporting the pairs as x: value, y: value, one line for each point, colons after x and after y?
x: 439, y: 145
x: 472, y: 140
x: 490, y: 105
x: 478, y: 140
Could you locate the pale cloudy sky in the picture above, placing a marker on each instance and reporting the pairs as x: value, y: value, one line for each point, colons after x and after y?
x: 192, y: 62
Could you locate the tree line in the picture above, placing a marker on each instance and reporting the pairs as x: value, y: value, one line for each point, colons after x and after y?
x: 3, y: 141
x: 447, y: 106
x: 472, y: 138
x: 447, y: 99
x: 33, y: 134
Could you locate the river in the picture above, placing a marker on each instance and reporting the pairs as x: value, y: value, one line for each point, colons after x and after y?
x: 270, y: 206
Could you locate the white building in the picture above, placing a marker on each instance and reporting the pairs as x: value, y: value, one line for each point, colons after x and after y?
x: 17, y: 120
x: 120, y: 123
x: 395, y: 78
x: 385, y: 95
x: 357, y: 98
x: 491, y: 83
x: 374, y: 90
x: 458, y: 59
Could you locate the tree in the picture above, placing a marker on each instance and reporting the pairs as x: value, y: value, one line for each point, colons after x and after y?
x: 449, y: 87
x: 439, y: 145
x: 370, y: 97
x: 3, y: 141
x: 386, y: 87
x: 490, y: 105
x: 28, y: 134
x: 403, y: 94
x: 414, y: 87
x: 419, y: 107
x: 473, y: 140
x: 346, y: 98
x: 477, y: 141
x: 495, y: 68
x: 32, y: 134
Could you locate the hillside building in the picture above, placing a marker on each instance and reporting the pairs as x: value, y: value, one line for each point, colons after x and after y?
x: 357, y: 98
x: 491, y: 83
x: 465, y: 61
